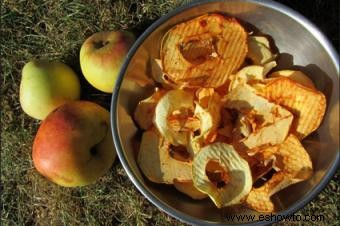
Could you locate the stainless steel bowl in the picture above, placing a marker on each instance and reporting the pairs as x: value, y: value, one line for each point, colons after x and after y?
x: 302, y: 46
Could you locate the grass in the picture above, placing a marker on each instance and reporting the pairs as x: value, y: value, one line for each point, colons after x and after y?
x: 55, y: 30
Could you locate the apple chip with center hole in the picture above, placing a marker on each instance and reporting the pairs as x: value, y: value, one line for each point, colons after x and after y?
x: 174, y: 105
x: 307, y: 105
x: 220, y: 172
x: 159, y: 162
x: 204, y: 51
x: 294, y: 165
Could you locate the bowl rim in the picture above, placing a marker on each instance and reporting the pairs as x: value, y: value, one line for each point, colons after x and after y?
x: 114, y: 103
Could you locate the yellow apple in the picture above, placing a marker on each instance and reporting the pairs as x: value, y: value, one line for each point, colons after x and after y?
x: 74, y: 145
x: 101, y: 57
x: 45, y: 85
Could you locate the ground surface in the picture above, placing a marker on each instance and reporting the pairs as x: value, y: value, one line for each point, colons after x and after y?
x: 55, y: 30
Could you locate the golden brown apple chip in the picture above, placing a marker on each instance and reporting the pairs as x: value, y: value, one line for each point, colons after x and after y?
x: 185, y: 124
x: 159, y: 76
x: 262, y: 160
x: 145, y: 109
x: 251, y: 74
x: 297, y: 76
x: 174, y: 104
x: 207, y: 110
x: 307, y: 105
x: 204, y: 51
x: 187, y: 187
x: 260, y: 122
x: 259, y: 50
x: 159, y: 163
x: 294, y: 165
x: 220, y: 172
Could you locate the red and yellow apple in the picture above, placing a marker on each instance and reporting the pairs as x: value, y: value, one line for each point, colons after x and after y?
x: 101, y: 57
x: 73, y: 145
x: 45, y: 85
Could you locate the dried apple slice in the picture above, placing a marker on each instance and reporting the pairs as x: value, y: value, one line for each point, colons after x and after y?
x: 172, y: 103
x: 266, y: 123
x: 157, y: 162
x: 159, y: 76
x: 259, y: 50
x: 307, y: 105
x: 262, y: 161
x: 204, y: 51
x: 187, y: 187
x: 227, y: 186
x: 295, y: 166
x: 251, y: 74
x: 297, y: 76
x: 207, y: 110
x: 208, y: 106
x: 178, y: 124
x: 145, y: 109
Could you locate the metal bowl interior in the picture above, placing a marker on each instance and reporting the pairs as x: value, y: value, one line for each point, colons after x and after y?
x: 301, y: 46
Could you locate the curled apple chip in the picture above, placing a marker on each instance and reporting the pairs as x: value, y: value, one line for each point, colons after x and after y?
x: 159, y: 76
x: 259, y: 50
x: 184, y: 124
x: 204, y: 51
x: 260, y: 121
x: 145, y: 109
x: 160, y: 162
x: 262, y: 161
x: 187, y: 187
x: 297, y: 76
x: 307, y: 105
x: 207, y: 110
x: 251, y: 74
x: 221, y: 173
x: 294, y: 166
x: 174, y: 104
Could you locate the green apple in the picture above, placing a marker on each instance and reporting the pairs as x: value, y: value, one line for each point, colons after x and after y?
x: 101, y: 57
x: 45, y: 85
x: 74, y: 145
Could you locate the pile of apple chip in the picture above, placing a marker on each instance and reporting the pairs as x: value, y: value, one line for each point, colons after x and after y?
x: 220, y: 124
